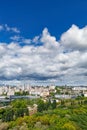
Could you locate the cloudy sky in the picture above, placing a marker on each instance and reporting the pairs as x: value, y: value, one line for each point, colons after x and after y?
x: 43, y: 43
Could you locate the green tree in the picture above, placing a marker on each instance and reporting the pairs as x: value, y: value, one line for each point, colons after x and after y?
x: 8, y: 115
x: 54, y: 104
x: 41, y: 105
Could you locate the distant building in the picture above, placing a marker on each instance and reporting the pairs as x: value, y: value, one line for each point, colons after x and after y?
x: 51, y: 87
x: 33, y: 109
x: 63, y: 96
x: 79, y: 88
x: 10, y: 92
x: 44, y: 94
x: 34, y: 93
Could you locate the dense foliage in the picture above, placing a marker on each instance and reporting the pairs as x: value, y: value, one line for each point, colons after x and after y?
x: 17, y: 108
x: 68, y: 115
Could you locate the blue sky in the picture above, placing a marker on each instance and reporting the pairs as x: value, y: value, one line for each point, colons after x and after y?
x: 43, y: 41
x: 31, y: 16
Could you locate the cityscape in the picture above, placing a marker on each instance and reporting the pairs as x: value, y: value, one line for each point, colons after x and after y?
x: 43, y: 65
x: 41, y: 91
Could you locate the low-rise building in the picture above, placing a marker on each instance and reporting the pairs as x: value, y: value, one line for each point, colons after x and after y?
x: 33, y: 109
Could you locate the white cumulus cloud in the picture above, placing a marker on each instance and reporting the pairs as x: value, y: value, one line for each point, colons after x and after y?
x: 63, y: 61
x: 75, y: 38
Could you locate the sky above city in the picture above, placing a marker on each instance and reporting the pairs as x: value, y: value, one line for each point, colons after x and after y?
x: 43, y: 42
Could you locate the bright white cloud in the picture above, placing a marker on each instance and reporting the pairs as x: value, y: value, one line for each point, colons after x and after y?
x: 75, y: 38
x: 48, y: 40
x: 59, y: 61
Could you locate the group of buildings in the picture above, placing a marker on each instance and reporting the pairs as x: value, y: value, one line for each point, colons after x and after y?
x: 8, y: 93
x: 31, y: 90
x: 58, y: 92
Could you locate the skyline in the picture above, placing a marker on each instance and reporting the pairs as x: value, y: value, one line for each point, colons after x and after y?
x: 43, y: 43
